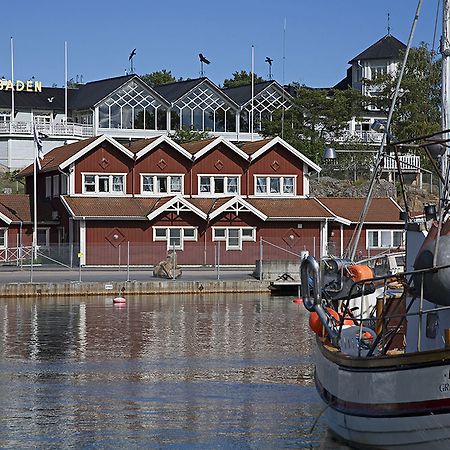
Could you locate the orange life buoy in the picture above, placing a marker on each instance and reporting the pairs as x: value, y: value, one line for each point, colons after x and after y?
x: 359, y: 272
x: 316, y: 325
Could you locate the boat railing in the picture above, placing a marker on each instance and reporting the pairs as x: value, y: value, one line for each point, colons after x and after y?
x: 384, y: 337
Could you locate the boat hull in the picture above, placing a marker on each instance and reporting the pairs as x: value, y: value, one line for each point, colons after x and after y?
x: 403, y: 403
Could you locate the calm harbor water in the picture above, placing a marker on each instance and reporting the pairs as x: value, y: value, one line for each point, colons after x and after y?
x: 203, y: 372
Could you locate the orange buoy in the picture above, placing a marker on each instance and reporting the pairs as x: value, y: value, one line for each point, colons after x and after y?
x: 119, y: 300
x: 359, y: 272
x: 316, y: 325
x: 297, y: 301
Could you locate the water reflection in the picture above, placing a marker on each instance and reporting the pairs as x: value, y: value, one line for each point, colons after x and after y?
x: 160, y: 371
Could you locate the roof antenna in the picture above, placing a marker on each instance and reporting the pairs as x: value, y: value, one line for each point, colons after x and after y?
x: 388, y: 24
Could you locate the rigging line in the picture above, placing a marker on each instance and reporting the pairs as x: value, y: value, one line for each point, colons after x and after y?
x: 353, y: 244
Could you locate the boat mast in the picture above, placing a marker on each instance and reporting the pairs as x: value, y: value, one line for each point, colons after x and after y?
x: 445, y: 52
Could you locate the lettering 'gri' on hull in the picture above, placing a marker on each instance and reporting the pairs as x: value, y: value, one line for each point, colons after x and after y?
x: 18, y: 85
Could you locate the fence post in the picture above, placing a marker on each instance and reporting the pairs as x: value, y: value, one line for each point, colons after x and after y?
x: 174, y: 262
x: 71, y: 256
x: 218, y: 260
x: 119, y: 255
x: 260, y: 258
x: 128, y: 260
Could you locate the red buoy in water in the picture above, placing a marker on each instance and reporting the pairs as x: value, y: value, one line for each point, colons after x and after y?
x: 119, y: 300
x: 297, y: 301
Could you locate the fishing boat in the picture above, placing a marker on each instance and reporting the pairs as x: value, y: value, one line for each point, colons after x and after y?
x: 383, y: 339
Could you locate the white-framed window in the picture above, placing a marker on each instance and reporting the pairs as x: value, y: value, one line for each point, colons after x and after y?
x: 5, y: 117
x: 385, y: 238
x: 219, y: 184
x: 48, y: 187
x: 174, y: 236
x: 234, y: 236
x: 42, y: 119
x: 280, y: 185
x: 64, y: 183
x: 161, y: 184
x: 103, y: 183
x: 3, y: 238
x: 55, y: 185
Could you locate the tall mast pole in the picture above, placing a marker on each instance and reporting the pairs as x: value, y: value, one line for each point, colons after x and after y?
x: 12, y: 80
x: 445, y: 51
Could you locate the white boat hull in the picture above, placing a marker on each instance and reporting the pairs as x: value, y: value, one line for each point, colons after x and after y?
x: 405, y: 406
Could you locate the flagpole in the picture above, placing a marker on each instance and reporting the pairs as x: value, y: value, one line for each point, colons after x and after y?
x: 65, y: 81
x: 33, y: 242
x: 284, y: 63
x: 253, y: 90
x: 12, y: 79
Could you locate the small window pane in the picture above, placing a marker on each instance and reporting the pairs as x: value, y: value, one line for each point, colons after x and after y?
x: 397, y: 238
x: 219, y: 185
x: 147, y: 183
x: 160, y: 232
x: 205, y: 184
x: 219, y: 233
x: 89, y: 183
x: 373, y: 239
x: 117, y: 183
x: 247, y: 232
x: 103, y: 184
x: 288, y: 185
x: 189, y: 232
x: 232, y: 185
x: 386, y: 239
x: 175, y: 184
x: 233, y: 237
x: 3, y: 238
x: 261, y: 185
x: 162, y: 184
x: 175, y: 237
x: 274, y: 185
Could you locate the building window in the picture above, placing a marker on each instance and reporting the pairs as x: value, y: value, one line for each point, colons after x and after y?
x: 43, y: 237
x: 219, y: 185
x: 55, y: 185
x: 48, y: 187
x: 3, y: 238
x: 234, y: 236
x: 175, y: 236
x: 385, y: 238
x: 161, y: 184
x: 132, y: 107
x: 103, y: 184
x: 279, y: 185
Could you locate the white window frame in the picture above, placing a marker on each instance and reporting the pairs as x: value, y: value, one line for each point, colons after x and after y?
x: 183, y: 237
x: 226, y: 237
x: 48, y: 187
x: 274, y: 194
x: 379, y: 233
x: 5, y: 238
x: 155, y: 184
x: 225, y: 185
x: 96, y: 176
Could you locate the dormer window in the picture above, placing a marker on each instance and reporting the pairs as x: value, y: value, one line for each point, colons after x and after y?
x: 275, y: 185
x: 103, y: 183
x: 218, y: 185
x: 161, y: 184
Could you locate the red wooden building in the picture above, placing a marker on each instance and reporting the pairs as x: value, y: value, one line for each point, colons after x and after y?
x: 209, y: 199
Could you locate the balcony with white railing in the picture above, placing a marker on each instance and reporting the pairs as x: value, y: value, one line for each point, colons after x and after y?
x: 77, y: 130
x: 408, y: 163
x: 364, y: 137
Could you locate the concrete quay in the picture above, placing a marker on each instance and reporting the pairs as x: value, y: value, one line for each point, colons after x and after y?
x: 54, y: 282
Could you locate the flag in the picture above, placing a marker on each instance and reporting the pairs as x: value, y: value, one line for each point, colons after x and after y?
x: 38, y: 143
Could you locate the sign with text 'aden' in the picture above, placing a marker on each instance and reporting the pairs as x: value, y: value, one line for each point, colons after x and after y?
x: 19, y: 86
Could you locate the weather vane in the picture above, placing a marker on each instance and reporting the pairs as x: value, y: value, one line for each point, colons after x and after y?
x: 202, y: 60
x: 269, y: 61
x: 131, y: 58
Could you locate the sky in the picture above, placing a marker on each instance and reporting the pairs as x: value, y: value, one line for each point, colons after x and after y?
x: 320, y: 37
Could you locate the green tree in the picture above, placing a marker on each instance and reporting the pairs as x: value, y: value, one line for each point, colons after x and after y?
x: 241, y: 78
x: 159, y: 77
x: 183, y: 135
x: 317, y: 117
x: 417, y: 112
